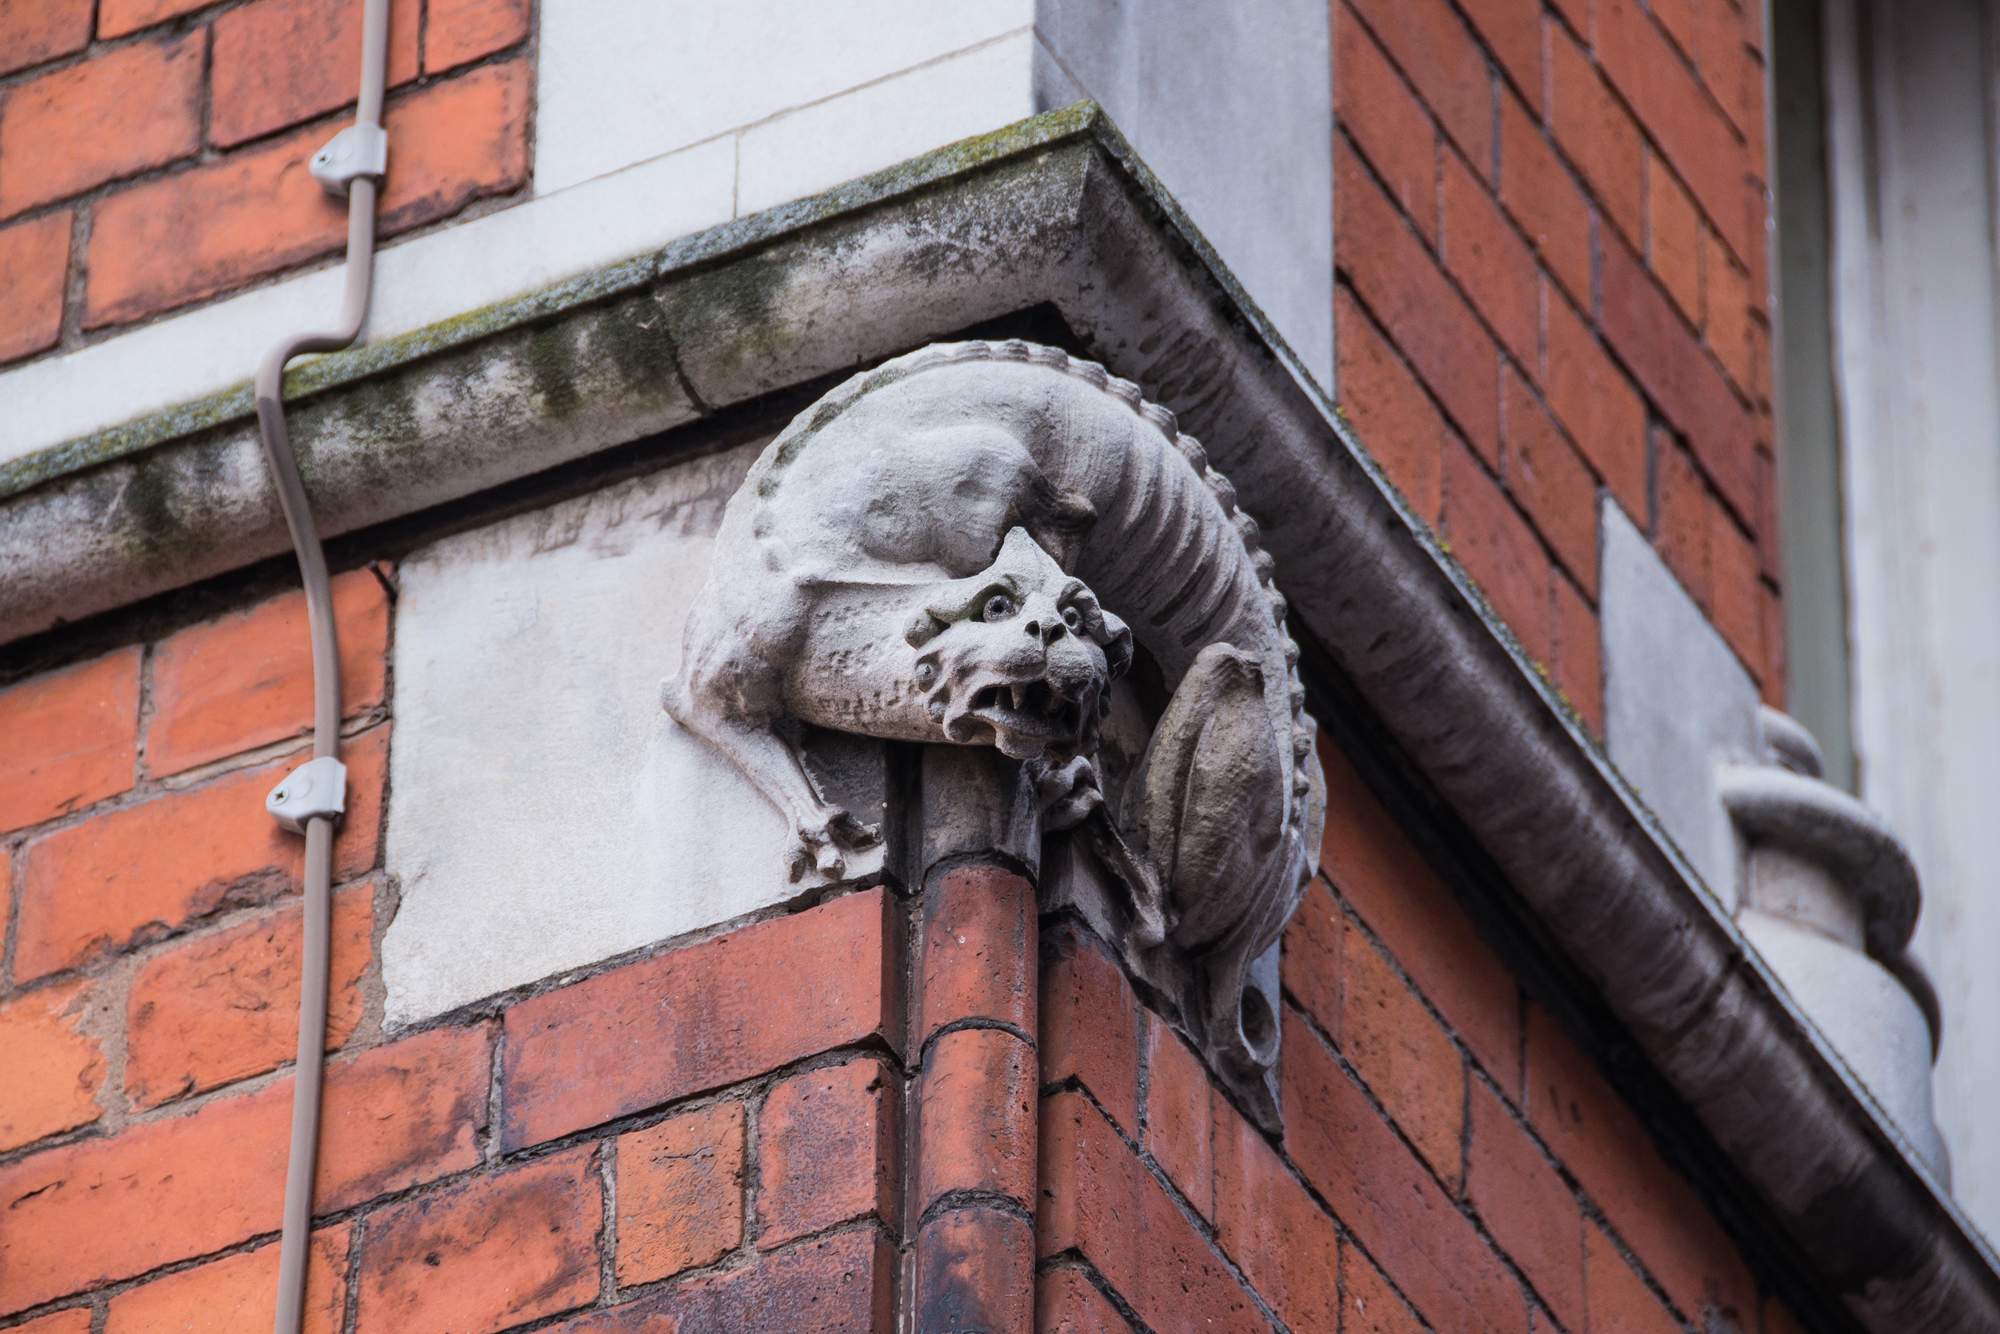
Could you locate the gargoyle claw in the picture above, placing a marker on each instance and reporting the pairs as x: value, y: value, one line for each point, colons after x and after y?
x: 824, y: 836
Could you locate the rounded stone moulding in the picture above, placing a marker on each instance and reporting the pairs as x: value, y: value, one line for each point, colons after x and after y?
x: 1831, y: 900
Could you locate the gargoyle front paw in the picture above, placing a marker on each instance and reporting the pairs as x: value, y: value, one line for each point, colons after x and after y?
x: 824, y: 835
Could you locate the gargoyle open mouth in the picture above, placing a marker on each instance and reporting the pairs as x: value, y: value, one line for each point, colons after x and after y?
x: 1028, y: 709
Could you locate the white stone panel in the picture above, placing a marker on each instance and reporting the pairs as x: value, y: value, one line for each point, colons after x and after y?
x: 1677, y: 703
x: 427, y: 279
x: 621, y: 81
x: 544, y: 812
x: 1232, y: 106
x: 884, y: 123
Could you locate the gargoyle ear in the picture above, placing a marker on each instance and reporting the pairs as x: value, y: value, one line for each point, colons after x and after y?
x: 1117, y: 645
x: 922, y: 629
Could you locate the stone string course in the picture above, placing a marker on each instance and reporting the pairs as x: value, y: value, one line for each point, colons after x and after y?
x: 795, y: 1123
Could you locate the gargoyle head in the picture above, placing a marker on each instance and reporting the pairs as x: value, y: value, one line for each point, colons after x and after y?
x: 1019, y: 656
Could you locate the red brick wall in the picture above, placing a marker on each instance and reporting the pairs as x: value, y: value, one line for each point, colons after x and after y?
x: 1449, y: 1154
x: 1550, y: 235
x: 152, y: 152
x: 742, y: 1131
x: 728, y: 1112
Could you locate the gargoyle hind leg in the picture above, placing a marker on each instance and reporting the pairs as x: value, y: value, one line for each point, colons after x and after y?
x: 773, y: 766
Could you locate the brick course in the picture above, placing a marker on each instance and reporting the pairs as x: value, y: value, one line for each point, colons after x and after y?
x: 1098, y: 1200
x: 130, y: 109
x: 680, y: 1183
x: 279, y: 62
x: 34, y: 262
x: 225, y: 1006
x: 181, y: 1187
x: 1544, y: 198
x: 161, y: 864
x: 30, y: 34
x: 461, y: 31
x: 827, y: 1150
x: 1540, y: 293
x: 117, y: 18
x: 1180, y: 1130
x: 178, y: 144
x: 245, y: 680
x: 54, y: 1066
x: 1090, y: 1026
x: 487, y: 1253
x: 255, y: 211
x: 618, y: 1043
x: 1389, y: 409
x: 72, y: 738
x: 1404, y: 1056
x: 1410, y: 297
x: 1576, y: 194
x: 977, y: 1110
x: 1267, y: 1222
x: 238, y: 1292
x: 728, y: 1129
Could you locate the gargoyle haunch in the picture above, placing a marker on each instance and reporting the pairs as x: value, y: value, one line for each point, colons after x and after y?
x: 961, y: 547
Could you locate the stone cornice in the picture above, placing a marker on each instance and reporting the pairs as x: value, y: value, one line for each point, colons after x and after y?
x: 1056, y: 212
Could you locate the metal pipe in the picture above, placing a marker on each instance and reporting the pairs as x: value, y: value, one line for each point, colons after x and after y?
x: 303, y: 1154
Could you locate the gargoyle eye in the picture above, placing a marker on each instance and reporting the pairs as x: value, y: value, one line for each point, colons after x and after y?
x: 1073, y: 619
x: 998, y: 608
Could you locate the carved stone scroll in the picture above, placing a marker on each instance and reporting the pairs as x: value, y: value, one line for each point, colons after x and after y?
x: 968, y: 546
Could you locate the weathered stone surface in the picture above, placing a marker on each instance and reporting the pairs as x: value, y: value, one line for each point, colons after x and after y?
x: 1219, y: 150
x: 1677, y: 702
x: 544, y: 812
x: 1830, y: 899
x: 967, y: 546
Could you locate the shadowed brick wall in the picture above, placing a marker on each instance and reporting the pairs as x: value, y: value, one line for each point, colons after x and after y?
x: 1450, y: 1161
x: 1550, y: 234
x: 724, y: 1130
x: 153, y: 152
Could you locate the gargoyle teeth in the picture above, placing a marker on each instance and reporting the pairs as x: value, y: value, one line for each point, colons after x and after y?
x: 1020, y: 692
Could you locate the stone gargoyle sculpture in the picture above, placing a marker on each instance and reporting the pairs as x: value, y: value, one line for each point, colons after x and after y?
x: 961, y: 547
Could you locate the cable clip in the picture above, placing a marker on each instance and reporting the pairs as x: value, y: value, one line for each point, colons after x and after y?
x: 357, y: 151
x: 316, y: 788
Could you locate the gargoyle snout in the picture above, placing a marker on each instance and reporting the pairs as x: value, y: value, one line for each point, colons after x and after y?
x: 1042, y: 620
x: 1070, y: 671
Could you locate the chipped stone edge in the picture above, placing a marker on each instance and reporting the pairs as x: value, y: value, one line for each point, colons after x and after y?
x: 1056, y: 210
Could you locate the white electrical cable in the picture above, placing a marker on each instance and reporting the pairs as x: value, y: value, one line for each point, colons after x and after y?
x: 354, y: 160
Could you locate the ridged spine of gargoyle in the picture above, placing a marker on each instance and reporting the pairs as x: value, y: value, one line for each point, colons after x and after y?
x: 961, y: 547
